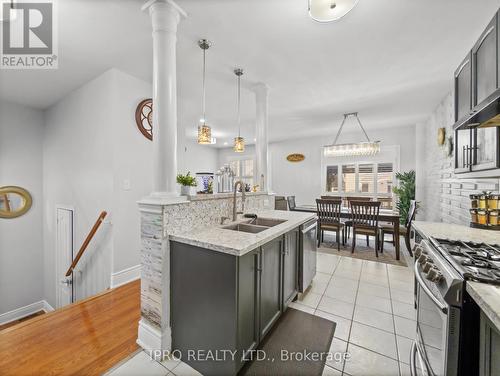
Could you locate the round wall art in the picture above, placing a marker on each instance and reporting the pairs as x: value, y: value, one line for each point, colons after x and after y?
x: 144, y: 118
x: 295, y: 157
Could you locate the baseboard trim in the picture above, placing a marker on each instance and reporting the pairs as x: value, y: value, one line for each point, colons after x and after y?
x: 125, y: 276
x: 21, y: 312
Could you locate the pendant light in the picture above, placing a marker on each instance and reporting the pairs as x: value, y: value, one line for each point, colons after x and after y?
x: 330, y: 10
x: 204, y: 131
x: 239, y: 142
x: 367, y: 148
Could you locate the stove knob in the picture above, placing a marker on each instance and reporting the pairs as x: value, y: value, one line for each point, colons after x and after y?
x: 422, y: 259
x: 434, y: 275
x: 427, y: 266
x: 418, y: 252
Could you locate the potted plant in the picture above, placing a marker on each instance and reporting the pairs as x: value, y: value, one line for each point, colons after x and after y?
x: 188, y: 184
x: 405, y: 193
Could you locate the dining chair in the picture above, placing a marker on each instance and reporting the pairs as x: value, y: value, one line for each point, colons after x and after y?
x: 328, y: 212
x: 291, y: 202
x: 403, y: 230
x: 364, y: 217
x: 348, y: 223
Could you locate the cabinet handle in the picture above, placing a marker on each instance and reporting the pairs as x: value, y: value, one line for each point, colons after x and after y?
x: 463, y: 157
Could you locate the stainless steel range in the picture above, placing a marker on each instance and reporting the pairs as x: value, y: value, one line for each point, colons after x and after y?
x: 447, y: 319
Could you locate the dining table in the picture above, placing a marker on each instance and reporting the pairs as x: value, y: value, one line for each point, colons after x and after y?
x: 385, y: 215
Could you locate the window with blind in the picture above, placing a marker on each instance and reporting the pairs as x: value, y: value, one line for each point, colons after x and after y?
x: 363, y: 179
x: 243, y: 170
x: 349, y: 178
x: 332, y: 179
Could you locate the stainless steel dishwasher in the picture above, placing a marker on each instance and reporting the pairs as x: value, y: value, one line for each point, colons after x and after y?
x: 307, y: 255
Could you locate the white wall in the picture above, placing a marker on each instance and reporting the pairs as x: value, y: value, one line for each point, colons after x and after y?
x: 304, y: 179
x: 78, y: 172
x: 21, y: 269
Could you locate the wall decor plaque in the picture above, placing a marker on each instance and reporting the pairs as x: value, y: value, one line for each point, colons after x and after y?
x: 144, y: 118
x: 441, y: 136
x: 295, y: 157
x: 14, y: 201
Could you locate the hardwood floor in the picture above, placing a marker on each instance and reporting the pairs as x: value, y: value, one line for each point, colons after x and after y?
x: 86, y: 338
x: 15, y: 322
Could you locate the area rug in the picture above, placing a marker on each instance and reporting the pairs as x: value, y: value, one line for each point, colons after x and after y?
x: 297, y: 333
x: 363, y: 252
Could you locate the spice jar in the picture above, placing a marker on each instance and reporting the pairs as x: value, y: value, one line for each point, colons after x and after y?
x: 483, y: 201
x: 482, y: 217
x: 474, y: 201
x: 493, y: 217
x: 493, y: 201
x: 473, y: 215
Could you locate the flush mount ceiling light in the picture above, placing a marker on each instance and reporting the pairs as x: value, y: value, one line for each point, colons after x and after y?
x: 330, y: 10
x: 10, y: 15
x: 367, y: 148
x: 239, y: 142
x: 204, y: 131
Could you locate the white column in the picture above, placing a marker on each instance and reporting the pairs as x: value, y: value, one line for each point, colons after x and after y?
x: 261, y: 144
x: 154, y: 327
x: 165, y: 16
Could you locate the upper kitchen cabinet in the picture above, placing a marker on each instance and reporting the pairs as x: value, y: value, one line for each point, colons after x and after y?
x: 477, y: 107
x: 463, y: 88
x: 485, y: 64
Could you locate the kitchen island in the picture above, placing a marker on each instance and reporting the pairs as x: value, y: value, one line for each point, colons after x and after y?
x: 247, y: 272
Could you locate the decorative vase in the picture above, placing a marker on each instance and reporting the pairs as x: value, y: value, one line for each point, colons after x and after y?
x: 187, y: 190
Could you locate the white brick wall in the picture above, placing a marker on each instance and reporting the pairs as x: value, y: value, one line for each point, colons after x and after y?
x: 443, y: 196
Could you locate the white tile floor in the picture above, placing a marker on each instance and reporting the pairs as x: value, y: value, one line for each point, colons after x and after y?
x: 372, y: 305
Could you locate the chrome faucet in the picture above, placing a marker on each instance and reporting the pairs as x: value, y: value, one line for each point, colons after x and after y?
x: 243, y: 197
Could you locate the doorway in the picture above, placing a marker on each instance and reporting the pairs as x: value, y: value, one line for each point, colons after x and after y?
x: 64, y: 256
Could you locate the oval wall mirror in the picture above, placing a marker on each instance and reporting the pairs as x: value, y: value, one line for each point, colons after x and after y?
x: 14, y: 201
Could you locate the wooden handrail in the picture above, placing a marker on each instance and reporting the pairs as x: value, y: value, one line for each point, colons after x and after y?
x: 86, y: 242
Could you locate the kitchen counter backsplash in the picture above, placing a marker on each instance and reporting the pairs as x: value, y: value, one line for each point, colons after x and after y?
x: 204, y: 213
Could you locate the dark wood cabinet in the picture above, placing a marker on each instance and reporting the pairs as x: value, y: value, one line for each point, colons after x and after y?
x: 463, y: 88
x: 484, y: 64
x: 290, y: 267
x: 270, y: 284
x: 477, y: 100
x: 489, y: 348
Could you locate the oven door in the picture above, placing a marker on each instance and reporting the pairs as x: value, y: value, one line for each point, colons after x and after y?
x: 432, y: 327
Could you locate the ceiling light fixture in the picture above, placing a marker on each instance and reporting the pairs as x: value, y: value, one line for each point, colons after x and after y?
x: 367, y: 148
x: 204, y: 131
x: 330, y: 10
x: 239, y: 142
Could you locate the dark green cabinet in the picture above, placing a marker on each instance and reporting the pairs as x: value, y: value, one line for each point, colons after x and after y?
x: 248, y: 300
x: 489, y: 348
x: 226, y: 302
x: 290, y: 267
x: 270, y: 284
x: 484, y: 64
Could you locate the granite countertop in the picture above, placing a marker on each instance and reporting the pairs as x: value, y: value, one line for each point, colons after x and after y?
x: 456, y: 232
x: 238, y: 243
x: 488, y: 299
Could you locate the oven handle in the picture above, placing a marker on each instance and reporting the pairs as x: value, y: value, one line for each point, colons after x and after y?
x: 413, y: 356
x: 422, y: 284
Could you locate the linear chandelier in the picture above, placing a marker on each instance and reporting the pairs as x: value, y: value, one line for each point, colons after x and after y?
x: 367, y: 148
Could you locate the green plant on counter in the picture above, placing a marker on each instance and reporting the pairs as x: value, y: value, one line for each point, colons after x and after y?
x: 405, y: 192
x: 186, y: 180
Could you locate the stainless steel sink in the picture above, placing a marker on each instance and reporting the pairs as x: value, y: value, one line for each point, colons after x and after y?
x: 267, y: 222
x: 245, y: 227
